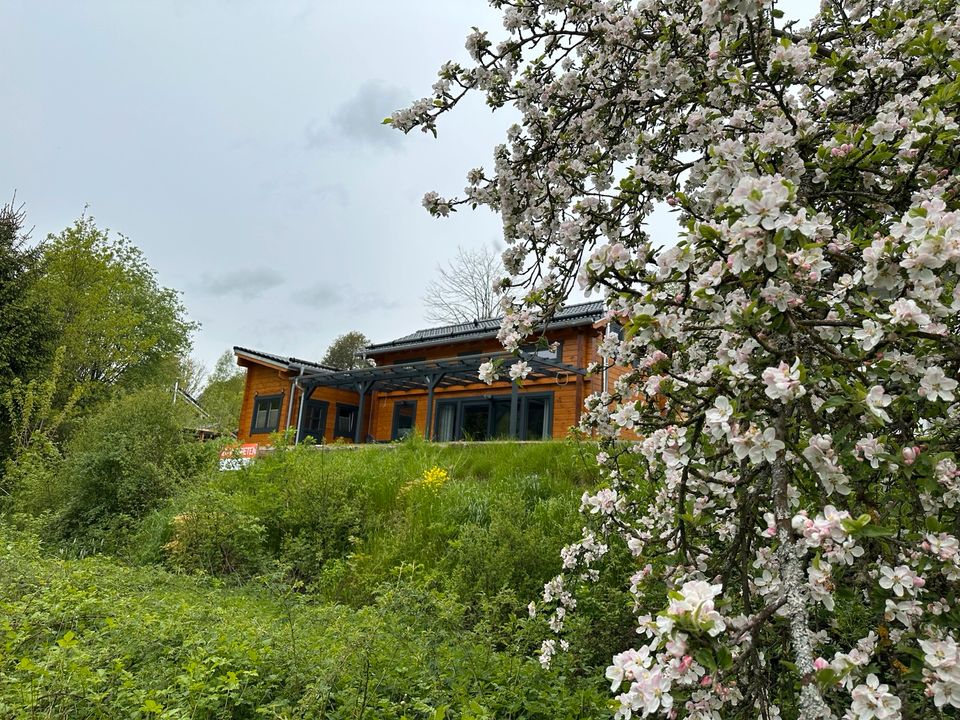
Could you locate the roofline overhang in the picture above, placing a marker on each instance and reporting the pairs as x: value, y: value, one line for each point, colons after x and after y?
x: 469, y: 337
x: 291, y: 364
x: 260, y: 360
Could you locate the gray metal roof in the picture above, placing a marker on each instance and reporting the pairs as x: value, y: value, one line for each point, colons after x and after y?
x: 569, y: 316
x: 291, y: 363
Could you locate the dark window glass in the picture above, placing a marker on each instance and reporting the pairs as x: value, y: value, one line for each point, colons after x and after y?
x: 476, y: 420
x: 314, y: 419
x: 266, y: 414
x: 404, y: 419
x: 485, y: 419
x: 536, y: 420
x: 346, y: 421
x: 501, y: 419
x: 544, y: 352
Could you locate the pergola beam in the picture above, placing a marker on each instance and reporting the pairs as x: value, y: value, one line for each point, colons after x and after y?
x: 456, y: 371
x: 428, y: 375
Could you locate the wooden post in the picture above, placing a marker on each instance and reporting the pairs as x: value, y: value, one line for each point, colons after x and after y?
x: 432, y: 382
x: 362, y: 388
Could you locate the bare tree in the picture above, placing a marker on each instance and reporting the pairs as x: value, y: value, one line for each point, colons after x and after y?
x: 463, y: 289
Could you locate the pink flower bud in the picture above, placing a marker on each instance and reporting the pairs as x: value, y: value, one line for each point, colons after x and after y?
x: 706, y: 681
x: 672, y: 201
x: 919, y: 582
x: 910, y: 454
x: 685, y: 663
x: 820, y: 664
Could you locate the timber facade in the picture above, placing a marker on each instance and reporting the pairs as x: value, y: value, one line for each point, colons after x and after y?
x: 426, y: 382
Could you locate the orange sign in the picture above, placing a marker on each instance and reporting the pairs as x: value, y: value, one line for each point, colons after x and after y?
x: 247, y: 451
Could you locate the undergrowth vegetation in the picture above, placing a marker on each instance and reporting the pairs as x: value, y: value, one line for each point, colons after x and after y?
x: 377, y: 582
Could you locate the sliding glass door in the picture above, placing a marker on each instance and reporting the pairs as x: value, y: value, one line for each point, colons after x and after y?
x: 489, y: 418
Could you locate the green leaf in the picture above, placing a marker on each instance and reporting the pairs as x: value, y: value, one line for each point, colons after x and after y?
x: 705, y: 658
x: 68, y: 640
x: 876, y: 531
x: 151, y: 706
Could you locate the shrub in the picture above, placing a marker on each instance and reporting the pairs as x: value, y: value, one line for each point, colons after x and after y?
x: 212, y: 536
x: 90, y: 638
x: 123, y: 462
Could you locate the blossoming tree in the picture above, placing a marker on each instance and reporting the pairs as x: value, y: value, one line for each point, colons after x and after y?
x: 779, y: 452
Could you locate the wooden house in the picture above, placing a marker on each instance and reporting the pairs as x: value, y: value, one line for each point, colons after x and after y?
x: 427, y: 382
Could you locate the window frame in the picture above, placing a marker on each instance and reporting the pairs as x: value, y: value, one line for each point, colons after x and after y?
x: 541, y: 352
x: 324, y: 406
x: 522, y: 412
x: 265, y: 429
x: 395, y: 426
x: 336, y: 416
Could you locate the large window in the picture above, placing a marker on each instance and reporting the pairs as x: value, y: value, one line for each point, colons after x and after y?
x: 488, y: 418
x: 404, y: 418
x: 266, y: 414
x: 314, y: 420
x: 345, y: 422
x: 554, y: 351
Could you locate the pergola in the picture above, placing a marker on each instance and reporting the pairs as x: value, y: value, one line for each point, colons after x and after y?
x: 429, y: 375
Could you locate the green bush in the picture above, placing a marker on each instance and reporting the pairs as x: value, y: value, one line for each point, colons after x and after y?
x: 344, y: 524
x: 212, y: 536
x: 123, y: 462
x: 89, y: 638
x: 346, y: 521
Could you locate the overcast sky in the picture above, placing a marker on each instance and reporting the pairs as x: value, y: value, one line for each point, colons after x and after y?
x: 238, y: 143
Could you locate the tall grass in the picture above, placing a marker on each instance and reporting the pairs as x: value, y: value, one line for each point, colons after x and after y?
x: 347, y: 520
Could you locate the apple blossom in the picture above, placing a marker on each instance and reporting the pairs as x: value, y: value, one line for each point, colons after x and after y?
x: 936, y: 385
x: 780, y: 416
x: 872, y: 701
x: 519, y: 370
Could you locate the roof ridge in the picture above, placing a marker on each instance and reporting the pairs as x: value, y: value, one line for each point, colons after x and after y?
x: 498, y: 318
x: 453, y: 330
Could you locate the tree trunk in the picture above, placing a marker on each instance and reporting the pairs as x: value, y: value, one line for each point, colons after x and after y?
x: 789, y: 555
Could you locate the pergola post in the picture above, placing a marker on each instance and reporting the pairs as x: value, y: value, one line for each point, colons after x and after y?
x: 362, y: 388
x: 432, y: 380
x: 514, y: 407
x: 428, y: 375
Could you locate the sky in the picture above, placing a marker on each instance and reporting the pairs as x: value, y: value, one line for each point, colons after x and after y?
x: 239, y: 145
